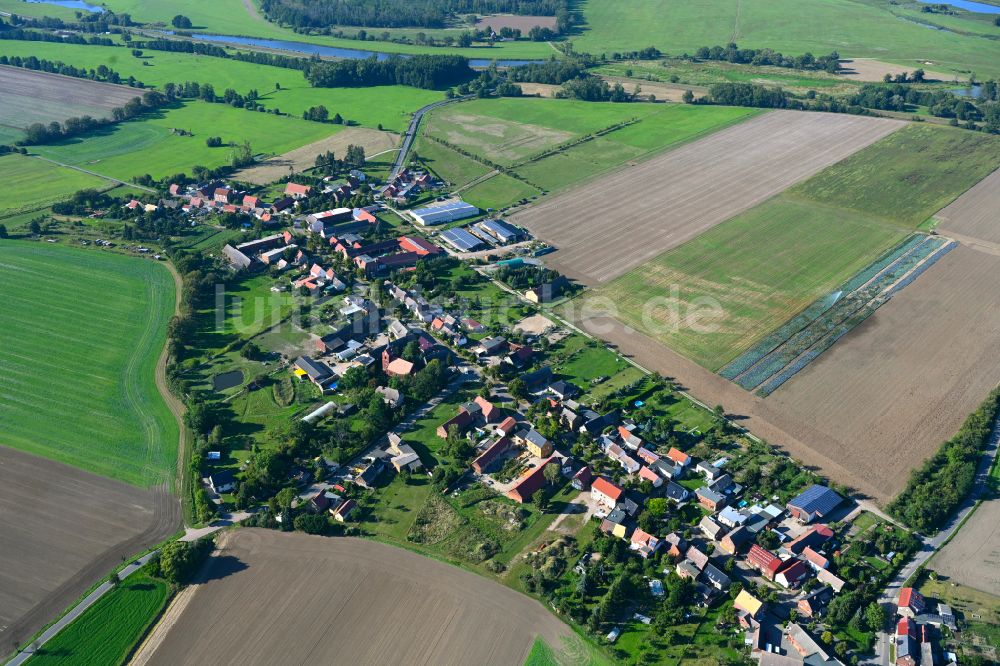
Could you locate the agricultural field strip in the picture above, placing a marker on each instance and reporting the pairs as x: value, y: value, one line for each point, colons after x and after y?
x: 696, y: 187
x: 107, y: 379
x: 332, y: 592
x: 866, y: 291
x: 974, y: 214
x: 33, y: 96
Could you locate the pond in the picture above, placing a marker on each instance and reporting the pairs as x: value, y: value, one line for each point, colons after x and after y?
x: 975, y: 92
x: 227, y: 380
x: 70, y: 4
x: 967, y: 5
x: 329, y: 51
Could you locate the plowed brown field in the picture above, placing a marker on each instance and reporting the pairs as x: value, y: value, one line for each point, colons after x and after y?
x: 606, y: 228
x: 277, y: 598
x: 61, y: 531
x: 976, y: 214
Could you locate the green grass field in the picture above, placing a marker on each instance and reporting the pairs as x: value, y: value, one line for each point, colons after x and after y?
x: 389, y: 106
x: 28, y: 183
x: 766, y: 265
x: 498, y: 192
x: 231, y: 17
x: 108, y: 631
x: 857, y: 28
x: 82, y: 331
x: 147, y: 146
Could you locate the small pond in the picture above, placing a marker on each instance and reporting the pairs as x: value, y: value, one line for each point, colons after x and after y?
x: 227, y: 380
x: 967, y: 5
x: 70, y: 4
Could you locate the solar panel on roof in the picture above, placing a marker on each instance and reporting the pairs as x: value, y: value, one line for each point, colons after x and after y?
x: 461, y: 239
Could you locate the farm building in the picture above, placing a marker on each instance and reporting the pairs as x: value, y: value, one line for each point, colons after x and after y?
x: 441, y: 213
x: 501, y: 231
x: 462, y: 240
x: 237, y: 259
x: 317, y: 372
x: 814, y: 502
x: 492, y: 455
x: 529, y: 483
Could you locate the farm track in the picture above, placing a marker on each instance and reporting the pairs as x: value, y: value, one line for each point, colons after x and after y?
x: 94, y: 173
x: 681, y: 193
x: 349, y: 601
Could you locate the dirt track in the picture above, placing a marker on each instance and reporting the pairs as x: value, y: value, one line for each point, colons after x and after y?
x: 884, y: 397
x: 681, y: 193
x: 63, y: 530
x: 973, y: 557
x: 270, y: 170
x: 271, y: 598
x: 975, y: 214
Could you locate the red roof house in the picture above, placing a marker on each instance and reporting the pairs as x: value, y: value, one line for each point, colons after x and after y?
x: 297, y: 191
x: 764, y: 561
x: 911, y: 603
x: 419, y: 245
x: 529, y: 483
x: 678, y: 456
x: 605, y: 491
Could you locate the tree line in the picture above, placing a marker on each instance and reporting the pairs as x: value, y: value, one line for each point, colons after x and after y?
x: 732, y: 53
x: 398, y: 13
x: 38, y: 133
x: 101, y: 73
x: 200, y: 48
x: 936, y: 489
x: 432, y: 72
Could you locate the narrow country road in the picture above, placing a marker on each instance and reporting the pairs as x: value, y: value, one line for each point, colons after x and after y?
x: 411, y: 133
x: 94, y: 173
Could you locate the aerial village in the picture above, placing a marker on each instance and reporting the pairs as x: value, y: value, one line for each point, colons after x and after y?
x: 688, y: 508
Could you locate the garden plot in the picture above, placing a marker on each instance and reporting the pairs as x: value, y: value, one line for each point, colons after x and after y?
x: 678, y: 195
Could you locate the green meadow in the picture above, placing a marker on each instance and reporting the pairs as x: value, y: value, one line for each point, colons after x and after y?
x: 280, y: 88
x: 82, y: 331
x: 854, y: 28
x: 28, y: 183
x: 108, y: 631
x: 766, y: 265
x: 147, y: 146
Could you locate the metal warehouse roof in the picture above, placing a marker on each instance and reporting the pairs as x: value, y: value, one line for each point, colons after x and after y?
x: 500, y: 229
x: 461, y: 240
x: 444, y: 212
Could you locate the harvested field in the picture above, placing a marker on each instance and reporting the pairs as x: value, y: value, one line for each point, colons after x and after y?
x: 974, y: 214
x: 682, y: 193
x: 935, y: 343
x: 662, y: 92
x: 40, y: 97
x: 300, y: 159
x: 973, y: 556
x: 269, y: 597
x: 868, y: 69
x: 63, y: 530
x: 522, y: 23
x: 540, y: 89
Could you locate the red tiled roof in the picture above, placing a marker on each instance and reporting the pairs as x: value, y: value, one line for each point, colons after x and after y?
x: 677, y: 455
x: 606, y: 487
x: 529, y: 483
x: 763, y: 559
x: 649, y: 475
x: 295, y: 188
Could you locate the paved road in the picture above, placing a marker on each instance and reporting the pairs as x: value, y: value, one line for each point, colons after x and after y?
x: 411, y: 132
x: 87, y: 602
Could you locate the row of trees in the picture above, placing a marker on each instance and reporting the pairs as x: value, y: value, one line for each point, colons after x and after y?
x: 433, y: 72
x: 732, y: 53
x: 38, y: 133
x: 398, y: 13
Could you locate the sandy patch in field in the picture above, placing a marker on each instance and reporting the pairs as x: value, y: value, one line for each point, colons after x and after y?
x: 534, y: 325
x: 975, y: 214
x: 275, y: 598
x: 303, y: 158
x: 540, y: 89
x: 522, y: 23
x: 662, y: 92
x: 675, y: 196
x: 868, y: 69
x: 973, y: 556
x: 63, y: 530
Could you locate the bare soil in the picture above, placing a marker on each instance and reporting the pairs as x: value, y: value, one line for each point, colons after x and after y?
x: 522, y: 23
x: 270, y: 170
x: 268, y: 597
x: 867, y: 69
x: 886, y: 396
x: 31, y: 96
x: 975, y: 214
x: 681, y: 193
x: 540, y: 89
x: 64, y: 530
x: 534, y: 325
x: 661, y: 92
x: 973, y: 556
